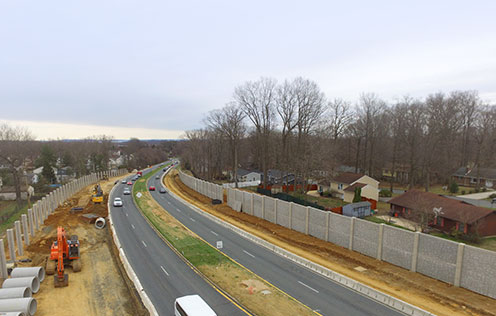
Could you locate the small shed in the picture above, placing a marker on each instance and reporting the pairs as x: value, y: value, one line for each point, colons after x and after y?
x: 360, y: 209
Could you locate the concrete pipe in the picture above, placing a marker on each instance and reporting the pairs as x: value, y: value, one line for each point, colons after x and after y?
x: 32, y: 282
x: 100, y: 223
x: 12, y: 314
x: 15, y: 292
x: 29, y: 271
x: 25, y: 305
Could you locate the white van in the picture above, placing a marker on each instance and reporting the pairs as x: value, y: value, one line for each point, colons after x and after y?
x: 192, y: 305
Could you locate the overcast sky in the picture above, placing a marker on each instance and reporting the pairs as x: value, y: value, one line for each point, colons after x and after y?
x: 152, y: 69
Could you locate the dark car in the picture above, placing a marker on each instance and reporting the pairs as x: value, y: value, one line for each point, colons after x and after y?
x: 162, y: 190
x: 151, y: 188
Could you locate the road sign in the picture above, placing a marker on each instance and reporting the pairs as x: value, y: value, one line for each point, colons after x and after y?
x: 219, y: 244
x: 138, y: 195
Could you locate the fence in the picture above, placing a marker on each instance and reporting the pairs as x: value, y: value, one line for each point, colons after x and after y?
x: 30, y: 223
x: 455, y: 263
x: 212, y: 190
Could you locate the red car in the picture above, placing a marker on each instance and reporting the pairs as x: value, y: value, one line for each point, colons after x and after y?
x: 129, y: 183
x: 151, y: 188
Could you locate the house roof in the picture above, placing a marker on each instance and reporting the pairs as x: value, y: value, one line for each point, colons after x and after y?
x: 354, y: 186
x: 453, y: 209
x: 348, y: 177
x: 484, y: 173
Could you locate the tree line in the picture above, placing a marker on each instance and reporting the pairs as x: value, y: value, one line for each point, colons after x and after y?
x: 20, y: 153
x: 294, y: 127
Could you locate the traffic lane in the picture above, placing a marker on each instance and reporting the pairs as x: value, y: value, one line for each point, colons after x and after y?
x: 163, y: 275
x: 315, y: 291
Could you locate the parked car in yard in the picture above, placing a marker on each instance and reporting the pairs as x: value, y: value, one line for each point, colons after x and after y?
x: 151, y: 188
x: 117, y: 202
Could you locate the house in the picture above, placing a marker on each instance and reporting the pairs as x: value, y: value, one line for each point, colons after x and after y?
x: 343, y: 186
x: 445, y: 214
x: 471, y: 176
x: 280, y: 177
x: 8, y: 193
x: 248, y: 176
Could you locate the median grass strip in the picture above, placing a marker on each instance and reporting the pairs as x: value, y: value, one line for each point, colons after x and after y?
x: 256, y: 294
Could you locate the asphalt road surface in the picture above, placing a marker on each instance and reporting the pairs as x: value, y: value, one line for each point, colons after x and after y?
x: 163, y: 275
x: 320, y: 294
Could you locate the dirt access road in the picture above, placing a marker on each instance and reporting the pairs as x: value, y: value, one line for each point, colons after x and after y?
x: 102, y: 287
x: 435, y: 296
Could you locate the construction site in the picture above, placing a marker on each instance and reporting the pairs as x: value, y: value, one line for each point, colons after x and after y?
x: 101, y: 286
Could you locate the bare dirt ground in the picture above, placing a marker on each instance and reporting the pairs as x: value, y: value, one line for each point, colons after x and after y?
x: 435, y: 296
x: 101, y: 288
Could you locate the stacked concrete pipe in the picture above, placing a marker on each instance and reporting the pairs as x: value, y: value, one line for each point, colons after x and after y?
x: 25, y: 305
x: 15, y: 292
x: 33, y: 283
x: 12, y: 314
x: 29, y: 272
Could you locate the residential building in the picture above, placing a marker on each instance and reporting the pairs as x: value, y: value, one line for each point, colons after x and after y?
x: 445, y: 214
x: 248, y: 176
x: 8, y: 193
x: 471, y: 176
x: 343, y: 186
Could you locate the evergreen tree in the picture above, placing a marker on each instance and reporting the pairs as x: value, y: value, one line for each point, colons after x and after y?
x: 48, y: 172
x: 358, y: 195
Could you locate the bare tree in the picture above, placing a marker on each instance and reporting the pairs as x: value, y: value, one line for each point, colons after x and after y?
x: 229, y: 121
x: 14, y: 149
x: 257, y: 101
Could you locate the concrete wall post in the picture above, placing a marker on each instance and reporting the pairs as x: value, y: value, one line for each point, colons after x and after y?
x: 36, y: 218
x: 307, y: 219
x: 31, y: 222
x: 3, y: 262
x: 25, y: 230
x: 18, y: 235
x: 415, y: 252
x: 263, y: 207
x: 459, y: 264
x: 252, y: 204
x: 11, y: 244
x: 275, y: 211
x: 352, y: 232
x: 328, y: 219
x: 379, y: 242
x: 290, y: 215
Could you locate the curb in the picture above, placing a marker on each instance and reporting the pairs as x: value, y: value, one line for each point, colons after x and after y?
x: 363, y: 289
x: 129, y: 269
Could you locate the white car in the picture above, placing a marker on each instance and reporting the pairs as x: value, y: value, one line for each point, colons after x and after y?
x: 126, y: 192
x: 117, y: 202
x: 124, y: 181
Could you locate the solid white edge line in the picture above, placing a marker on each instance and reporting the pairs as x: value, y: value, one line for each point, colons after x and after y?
x: 311, y: 288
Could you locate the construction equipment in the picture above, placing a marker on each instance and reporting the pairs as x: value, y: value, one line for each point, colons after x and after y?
x: 97, y: 196
x: 63, y: 252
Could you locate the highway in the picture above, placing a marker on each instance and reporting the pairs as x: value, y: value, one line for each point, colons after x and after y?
x: 163, y: 275
x: 319, y: 293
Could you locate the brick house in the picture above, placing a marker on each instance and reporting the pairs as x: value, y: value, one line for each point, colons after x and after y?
x: 447, y: 214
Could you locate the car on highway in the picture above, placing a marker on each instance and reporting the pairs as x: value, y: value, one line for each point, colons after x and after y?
x: 192, y: 305
x: 126, y: 192
x: 162, y: 190
x: 123, y: 181
x: 157, y: 177
x: 129, y: 183
x: 151, y: 188
x: 117, y: 202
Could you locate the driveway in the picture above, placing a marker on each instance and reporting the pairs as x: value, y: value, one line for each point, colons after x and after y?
x: 477, y: 196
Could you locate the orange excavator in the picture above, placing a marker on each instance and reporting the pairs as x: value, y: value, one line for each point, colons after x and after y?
x: 63, y: 252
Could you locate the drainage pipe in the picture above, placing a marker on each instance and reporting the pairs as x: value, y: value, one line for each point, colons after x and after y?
x: 28, y: 271
x: 100, y: 223
x: 26, y: 305
x: 12, y: 314
x: 32, y: 282
x: 15, y: 292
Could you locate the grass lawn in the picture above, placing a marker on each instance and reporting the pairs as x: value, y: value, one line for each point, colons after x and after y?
x: 321, y: 200
x: 381, y: 221
x: 8, y: 210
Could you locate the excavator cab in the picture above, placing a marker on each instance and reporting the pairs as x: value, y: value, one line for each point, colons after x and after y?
x: 97, y: 196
